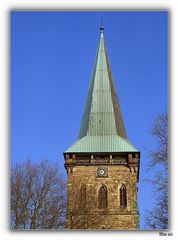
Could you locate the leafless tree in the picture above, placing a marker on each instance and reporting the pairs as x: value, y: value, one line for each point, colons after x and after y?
x: 157, y: 218
x: 38, y: 196
x: 84, y: 211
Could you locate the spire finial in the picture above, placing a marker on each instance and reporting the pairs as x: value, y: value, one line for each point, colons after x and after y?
x: 101, y: 26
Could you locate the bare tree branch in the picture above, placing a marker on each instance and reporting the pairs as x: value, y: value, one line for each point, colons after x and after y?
x: 157, y: 217
x: 38, y: 196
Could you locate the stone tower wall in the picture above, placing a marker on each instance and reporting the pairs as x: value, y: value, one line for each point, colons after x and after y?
x: 92, y: 217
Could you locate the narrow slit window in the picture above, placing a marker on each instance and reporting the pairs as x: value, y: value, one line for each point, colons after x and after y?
x: 123, y: 196
x: 103, y: 197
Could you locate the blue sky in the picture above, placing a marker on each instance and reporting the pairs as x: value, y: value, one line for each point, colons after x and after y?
x: 52, y: 57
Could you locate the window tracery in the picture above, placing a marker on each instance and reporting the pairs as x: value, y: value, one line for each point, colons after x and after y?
x: 123, y: 196
x: 103, y: 197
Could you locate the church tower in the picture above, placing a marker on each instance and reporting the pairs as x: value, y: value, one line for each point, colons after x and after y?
x: 102, y: 165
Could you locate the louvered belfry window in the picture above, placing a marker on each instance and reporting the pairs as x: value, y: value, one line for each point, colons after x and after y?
x: 103, y: 197
x: 123, y: 196
x: 83, y: 196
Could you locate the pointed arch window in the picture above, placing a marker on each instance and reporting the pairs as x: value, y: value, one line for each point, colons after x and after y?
x: 123, y: 196
x: 83, y: 196
x: 103, y: 197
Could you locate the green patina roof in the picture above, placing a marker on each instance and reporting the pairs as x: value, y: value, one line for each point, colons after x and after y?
x: 102, y: 127
x: 105, y: 144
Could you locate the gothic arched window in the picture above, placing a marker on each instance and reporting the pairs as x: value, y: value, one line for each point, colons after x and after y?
x: 123, y: 196
x: 83, y: 196
x: 103, y: 197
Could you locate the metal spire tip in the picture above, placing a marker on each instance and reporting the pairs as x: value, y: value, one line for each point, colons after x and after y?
x: 101, y: 26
